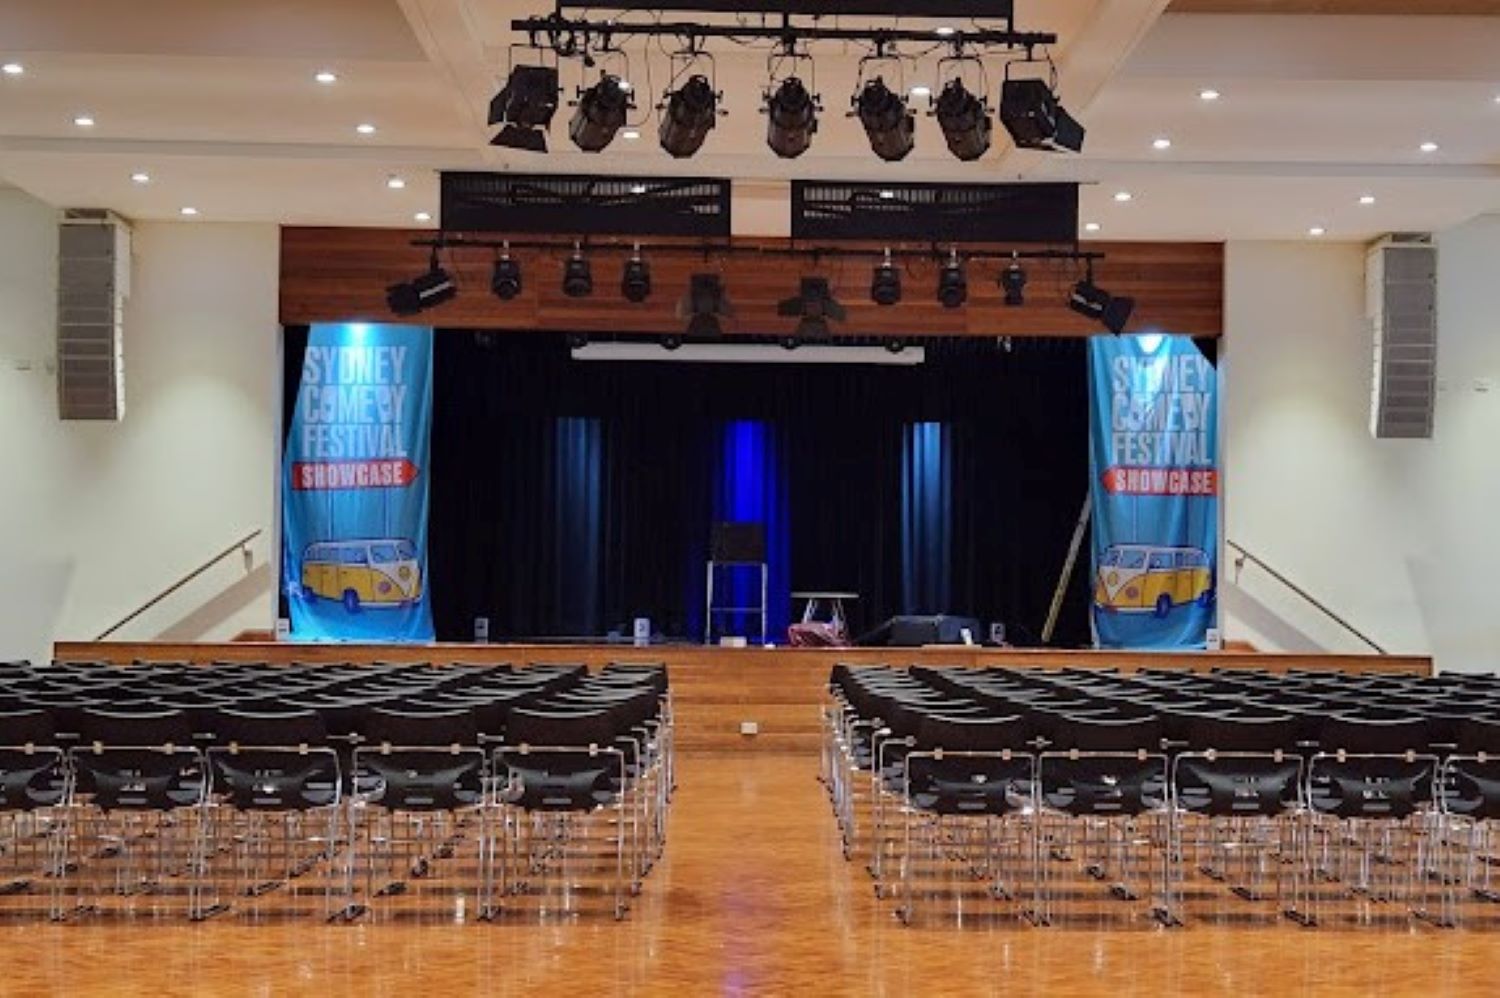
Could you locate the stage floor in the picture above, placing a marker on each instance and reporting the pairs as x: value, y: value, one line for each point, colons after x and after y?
x: 753, y: 897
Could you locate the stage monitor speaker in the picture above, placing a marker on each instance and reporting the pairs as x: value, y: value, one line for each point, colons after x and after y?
x: 738, y: 541
x: 912, y: 631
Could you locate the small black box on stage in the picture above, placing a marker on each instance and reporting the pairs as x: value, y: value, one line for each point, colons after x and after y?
x: 735, y: 541
x: 915, y: 630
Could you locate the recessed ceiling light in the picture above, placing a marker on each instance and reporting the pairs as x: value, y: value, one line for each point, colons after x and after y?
x: 394, y: 182
x: 365, y: 128
x: 1208, y: 93
x: 1428, y: 147
x: 887, y: 194
x: 141, y: 178
x: 326, y: 76
x: 637, y: 188
x: 1367, y: 199
x: 946, y: 30
x: 631, y: 133
x: 1091, y: 227
x: 423, y: 216
x: 1123, y: 196
x: 921, y: 90
x: 16, y: 69
x: 1316, y: 230
x: 187, y: 211
x: 84, y: 121
x: 1161, y: 143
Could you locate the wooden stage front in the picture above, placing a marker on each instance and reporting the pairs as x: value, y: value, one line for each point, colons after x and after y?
x: 717, y: 690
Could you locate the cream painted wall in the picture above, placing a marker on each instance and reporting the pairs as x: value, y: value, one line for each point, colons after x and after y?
x: 1395, y: 536
x: 100, y: 516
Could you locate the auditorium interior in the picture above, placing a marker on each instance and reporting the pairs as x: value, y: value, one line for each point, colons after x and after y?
x: 849, y: 497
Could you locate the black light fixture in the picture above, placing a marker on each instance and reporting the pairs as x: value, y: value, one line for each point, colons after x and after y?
x: 889, y: 123
x: 885, y: 283
x: 1030, y: 112
x: 791, y: 118
x: 671, y: 341
x: 1110, y: 311
x: 422, y: 292
x: 578, y: 276
x: 505, y: 281
x: 524, y: 107
x: 1013, y: 282
x: 686, y: 117
x: 600, y: 114
x: 953, y: 286
x: 965, y: 121
x: 635, y: 282
x: 815, y: 305
x: 705, y: 306
x: 895, y: 345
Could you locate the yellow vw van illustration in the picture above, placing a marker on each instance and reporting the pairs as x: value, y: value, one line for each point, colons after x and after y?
x: 374, y: 573
x: 1140, y: 578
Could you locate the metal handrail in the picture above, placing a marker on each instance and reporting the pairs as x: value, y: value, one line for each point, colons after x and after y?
x: 238, y: 545
x: 1245, y: 555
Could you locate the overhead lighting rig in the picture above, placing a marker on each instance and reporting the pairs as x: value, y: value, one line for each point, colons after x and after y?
x: 690, y: 105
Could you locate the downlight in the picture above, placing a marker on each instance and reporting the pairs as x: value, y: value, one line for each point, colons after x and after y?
x: 505, y: 280
x: 885, y: 282
x: 524, y: 108
x: 791, y: 119
x: 888, y: 122
x: 635, y: 282
x: 965, y: 121
x: 578, y: 276
x: 600, y: 114
x: 953, y: 286
x: 687, y: 117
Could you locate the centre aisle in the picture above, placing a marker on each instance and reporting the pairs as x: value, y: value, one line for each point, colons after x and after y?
x: 753, y: 897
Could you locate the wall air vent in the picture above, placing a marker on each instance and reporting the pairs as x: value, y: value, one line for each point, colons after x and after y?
x: 516, y: 203
x: 1401, y: 305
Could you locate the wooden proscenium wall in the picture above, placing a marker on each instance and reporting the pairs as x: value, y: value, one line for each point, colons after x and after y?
x: 340, y: 274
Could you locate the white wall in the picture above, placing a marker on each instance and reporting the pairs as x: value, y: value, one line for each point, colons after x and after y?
x: 107, y: 514
x: 1393, y: 535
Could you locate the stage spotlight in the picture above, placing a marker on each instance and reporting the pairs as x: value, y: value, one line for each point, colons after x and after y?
x: 689, y: 113
x: 635, y: 283
x: 791, y: 119
x: 953, y: 287
x: 505, y: 282
x: 1030, y: 112
x: 815, y: 305
x: 889, y: 123
x: 600, y: 114
x: 671, y: 342
x: 885, y: 283
x: 1013, y: 282
x: 578, y: 276
x: 705, y: 306
x: 524, y: 106
x: 423, y: 292
x: 965, y: 121
x: 1108, y: 310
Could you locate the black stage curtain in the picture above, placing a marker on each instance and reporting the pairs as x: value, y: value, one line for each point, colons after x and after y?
x: 1018, y: 419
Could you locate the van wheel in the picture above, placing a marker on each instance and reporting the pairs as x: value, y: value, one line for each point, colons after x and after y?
x: 1206, y: 600
x: 1163, y: 605
x: 351, y: 601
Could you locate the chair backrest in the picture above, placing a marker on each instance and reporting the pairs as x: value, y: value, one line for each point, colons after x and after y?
x: 26, y: 727
x: 1266, y: 734
x: 1478, y: 734
x: 972, y: 733
x: 428, y: 728
x: 1382, y: 736
x: 267, y: 729
x: 135, y: 728
x: 573, y: 728
x: 1104, y: 734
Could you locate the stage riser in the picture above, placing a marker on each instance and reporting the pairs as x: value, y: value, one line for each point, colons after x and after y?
x: 715, y: 690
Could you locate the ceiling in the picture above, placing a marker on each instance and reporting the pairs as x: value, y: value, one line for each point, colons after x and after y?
x: 217, y: 102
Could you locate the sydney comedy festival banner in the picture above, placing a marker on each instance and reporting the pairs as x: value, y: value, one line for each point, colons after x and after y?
x: 1153, y: 461
x: 354, y: 489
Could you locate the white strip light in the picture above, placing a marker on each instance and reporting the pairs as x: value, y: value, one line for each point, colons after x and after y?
x: 749, y: 353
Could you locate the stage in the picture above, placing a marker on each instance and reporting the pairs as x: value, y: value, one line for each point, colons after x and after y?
x: 716, y: 690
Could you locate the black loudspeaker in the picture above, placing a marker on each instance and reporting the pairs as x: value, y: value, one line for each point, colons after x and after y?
x: 737, y: 541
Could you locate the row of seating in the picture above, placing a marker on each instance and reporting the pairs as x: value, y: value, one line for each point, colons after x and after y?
x: 146, y: 775
x: 1384, y: 784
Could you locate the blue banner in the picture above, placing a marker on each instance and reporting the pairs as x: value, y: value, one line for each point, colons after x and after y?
x: 1153, y: 463
x: 354, y: 486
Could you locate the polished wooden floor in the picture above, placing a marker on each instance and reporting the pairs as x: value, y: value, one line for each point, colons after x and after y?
x: 752, y: 898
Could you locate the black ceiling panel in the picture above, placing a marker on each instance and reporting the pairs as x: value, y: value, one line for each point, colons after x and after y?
x: 516, y: 203
x: 992, y: 213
